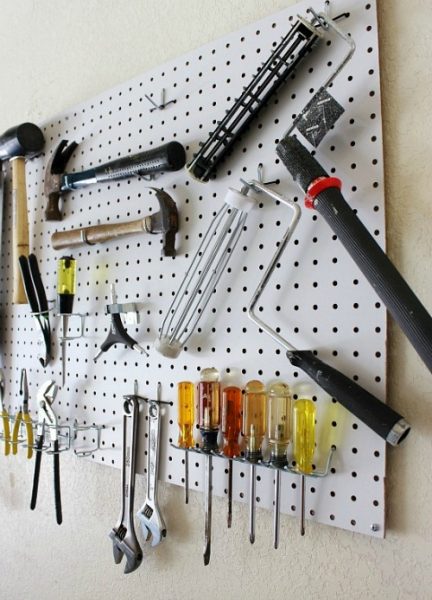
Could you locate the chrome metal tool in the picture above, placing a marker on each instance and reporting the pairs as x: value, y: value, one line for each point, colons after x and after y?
x: 125, y: 542
x: 152, y: 523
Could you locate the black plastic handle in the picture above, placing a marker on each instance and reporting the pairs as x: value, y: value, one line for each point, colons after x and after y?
x: 28, y: 284
x: 382, y: 419
x: 37, y: 282
x: 402, y: 303
x: 57, y: 493
x: 169, y: 157
x: 39, y: 444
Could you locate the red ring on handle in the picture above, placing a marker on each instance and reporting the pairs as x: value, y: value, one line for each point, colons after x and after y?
x: 317, y: 186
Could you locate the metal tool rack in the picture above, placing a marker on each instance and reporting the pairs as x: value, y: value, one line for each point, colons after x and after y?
x: 318, y: 297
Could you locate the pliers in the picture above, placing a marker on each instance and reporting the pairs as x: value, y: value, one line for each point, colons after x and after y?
x: 46, y: 418
x: 37, y: 299
x: 23, y: 417
x: 4, y: 416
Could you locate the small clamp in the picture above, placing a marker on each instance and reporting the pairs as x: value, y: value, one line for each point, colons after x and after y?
x: 37, y: 299
x: 4, y: 416
x: 118, y: 333
x: 23, y: 416
x: 47, y: 418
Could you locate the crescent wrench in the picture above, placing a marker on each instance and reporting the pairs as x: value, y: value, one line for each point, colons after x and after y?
x: 123, y: 535
x: 152, y: 523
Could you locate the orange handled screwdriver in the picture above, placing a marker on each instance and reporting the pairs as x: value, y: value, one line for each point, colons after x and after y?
x: 231, y: 427
x: 253, y: 429
x: 185, y: 419
x: 303, y: 445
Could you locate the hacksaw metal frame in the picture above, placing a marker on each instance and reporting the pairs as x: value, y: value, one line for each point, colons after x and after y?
x: 317, y: 297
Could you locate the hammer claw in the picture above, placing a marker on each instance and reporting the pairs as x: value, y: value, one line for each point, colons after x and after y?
x: 60, y: 157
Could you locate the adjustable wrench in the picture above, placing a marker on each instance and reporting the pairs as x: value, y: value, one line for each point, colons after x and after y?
x: 152, y: 523
x: 123, y: 535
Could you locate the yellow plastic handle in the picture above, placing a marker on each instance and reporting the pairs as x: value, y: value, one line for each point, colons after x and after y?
x: 6, y: 432
x: 15, y: 432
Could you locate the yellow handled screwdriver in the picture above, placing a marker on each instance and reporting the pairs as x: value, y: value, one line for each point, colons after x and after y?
x: 303, y: 445
x: 209, y: 421
x: 23, y: 416
x: 253, y: 429
x: 4, y: 416
x: 231, y: 427
x: 279, y: 429
x: 66, y: 289
x: 185, y: 419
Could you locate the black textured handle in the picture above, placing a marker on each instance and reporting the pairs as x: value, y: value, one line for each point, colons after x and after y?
x: 57, y: 493
x: 382, y: 419
x: 28, y: 284
x: 402, y: 303
x: 37, y: 282
x: 39, y: 444
x: 169, y: 157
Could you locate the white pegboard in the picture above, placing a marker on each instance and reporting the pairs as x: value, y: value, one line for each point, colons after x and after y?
x: 317, y: 296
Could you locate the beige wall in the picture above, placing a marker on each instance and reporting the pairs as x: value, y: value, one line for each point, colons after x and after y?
x: 56, y: 54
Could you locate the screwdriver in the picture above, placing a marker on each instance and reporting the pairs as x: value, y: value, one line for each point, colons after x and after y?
x: 66, y: 287
x: 231, y: 426
x: 303, y: 445
x: 209, y: 421
x: 253, y: 429
x: 279, y: 426
x: 185, y: 419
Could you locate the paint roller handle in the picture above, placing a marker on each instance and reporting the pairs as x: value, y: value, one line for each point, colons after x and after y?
x: 324, y: 195
x: 382, y: 419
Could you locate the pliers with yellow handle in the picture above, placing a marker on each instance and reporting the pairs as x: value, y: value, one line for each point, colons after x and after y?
x: 23, y: 417
x: 4, y: 416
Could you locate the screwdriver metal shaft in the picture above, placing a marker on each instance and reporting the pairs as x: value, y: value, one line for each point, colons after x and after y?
x: 65, y: 327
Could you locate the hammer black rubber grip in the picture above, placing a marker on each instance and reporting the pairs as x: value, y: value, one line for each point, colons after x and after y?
x: 402, y: 303
x: 382, y: 419
x: 169, y: 157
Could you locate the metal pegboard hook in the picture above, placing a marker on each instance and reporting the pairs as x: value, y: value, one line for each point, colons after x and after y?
x: 162, y: 103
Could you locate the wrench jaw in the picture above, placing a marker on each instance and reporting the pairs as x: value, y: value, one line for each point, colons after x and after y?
x: 47, y: 392
x: 129, y: 547
x: 152, y: 524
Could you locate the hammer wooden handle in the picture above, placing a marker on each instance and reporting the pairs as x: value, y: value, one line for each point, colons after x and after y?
x: 96, y: 234
x: 20, y: 226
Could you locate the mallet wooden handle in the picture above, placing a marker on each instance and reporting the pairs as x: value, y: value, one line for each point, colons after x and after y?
x: 96, y: 234
x: 20, y: 225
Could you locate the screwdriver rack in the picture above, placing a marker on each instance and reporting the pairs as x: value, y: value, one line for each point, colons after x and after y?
x: 318, y: 298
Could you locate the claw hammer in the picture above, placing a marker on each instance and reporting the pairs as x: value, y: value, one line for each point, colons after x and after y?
x: 17, y: 144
